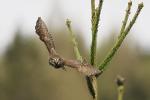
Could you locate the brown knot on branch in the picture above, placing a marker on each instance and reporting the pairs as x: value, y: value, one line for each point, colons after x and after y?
x: 55, y: 59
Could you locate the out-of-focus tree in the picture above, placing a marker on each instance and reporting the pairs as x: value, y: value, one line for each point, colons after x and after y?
x: 24, y: 65
x: 132, y: 66
x: 26, y: 75
x: 29, y: 77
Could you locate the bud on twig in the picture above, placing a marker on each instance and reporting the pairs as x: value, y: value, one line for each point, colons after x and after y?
x: 120, y: 80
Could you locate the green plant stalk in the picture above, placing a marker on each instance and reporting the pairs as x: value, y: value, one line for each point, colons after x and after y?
x: 93, y: 44
x: 126, y: 18
x: 95, y: 22
x: 76, y: 50
x: 95, y: 17
x: 140, y: 6
x: 120, y: 92
x: 92, y: 9
x: 91, y: 81
x: 119, y: 41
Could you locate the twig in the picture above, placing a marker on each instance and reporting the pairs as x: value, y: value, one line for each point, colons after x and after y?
x: 81, y: 65
x: 120, y: 83
x: 95, y: 17
x: 120, y: 39
x: 56, y: 60
x: 126, y: 18
x: 92, y: 10
x: 120, y: 92
x: 74, y: 41
x: 91, y: 81
x: 140, y: 6
x: 95, y: 21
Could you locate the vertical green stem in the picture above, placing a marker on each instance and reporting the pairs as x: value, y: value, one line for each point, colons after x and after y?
x: 92, y: 82
x: 120, y: 83
x: 95, y: 17
x: 92, y: 9
x: 93, y: 44
x: 120, y: 92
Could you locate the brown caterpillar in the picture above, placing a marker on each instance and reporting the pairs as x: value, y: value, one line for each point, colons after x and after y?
x: 45, y: 36
x: 55, y: 59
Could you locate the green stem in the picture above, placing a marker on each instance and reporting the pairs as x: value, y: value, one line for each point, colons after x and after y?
x: 126, y: 18
x: 92, y: 9
x: 95, y: 17
x: 119, y: 41
x: 140, y: 6
x: 91, y: 81
x: 95, y: 22
x: 120, y: 84
x: 120, y: 92
x: 76, y: 50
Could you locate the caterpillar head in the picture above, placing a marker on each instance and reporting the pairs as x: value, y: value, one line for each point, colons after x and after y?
x: 56, y: 62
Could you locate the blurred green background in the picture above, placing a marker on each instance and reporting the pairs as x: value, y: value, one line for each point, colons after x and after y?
x: 26, y: 75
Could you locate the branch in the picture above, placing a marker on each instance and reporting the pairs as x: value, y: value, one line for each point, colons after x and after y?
x: 56, y: 60
x: 140, y: 6
x: 126, y: 18
x: 92, y: 10
x: 120, y: 83
x: 120, y: 39
x: 91, y: 81
x: 76, y: 50
x: 95, y: 21
x: 95, y: 17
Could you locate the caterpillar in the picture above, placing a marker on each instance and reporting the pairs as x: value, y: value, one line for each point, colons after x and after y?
x: 55, y: 60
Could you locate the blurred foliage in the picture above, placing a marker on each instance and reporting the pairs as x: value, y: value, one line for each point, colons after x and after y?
x: 26, y: 75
